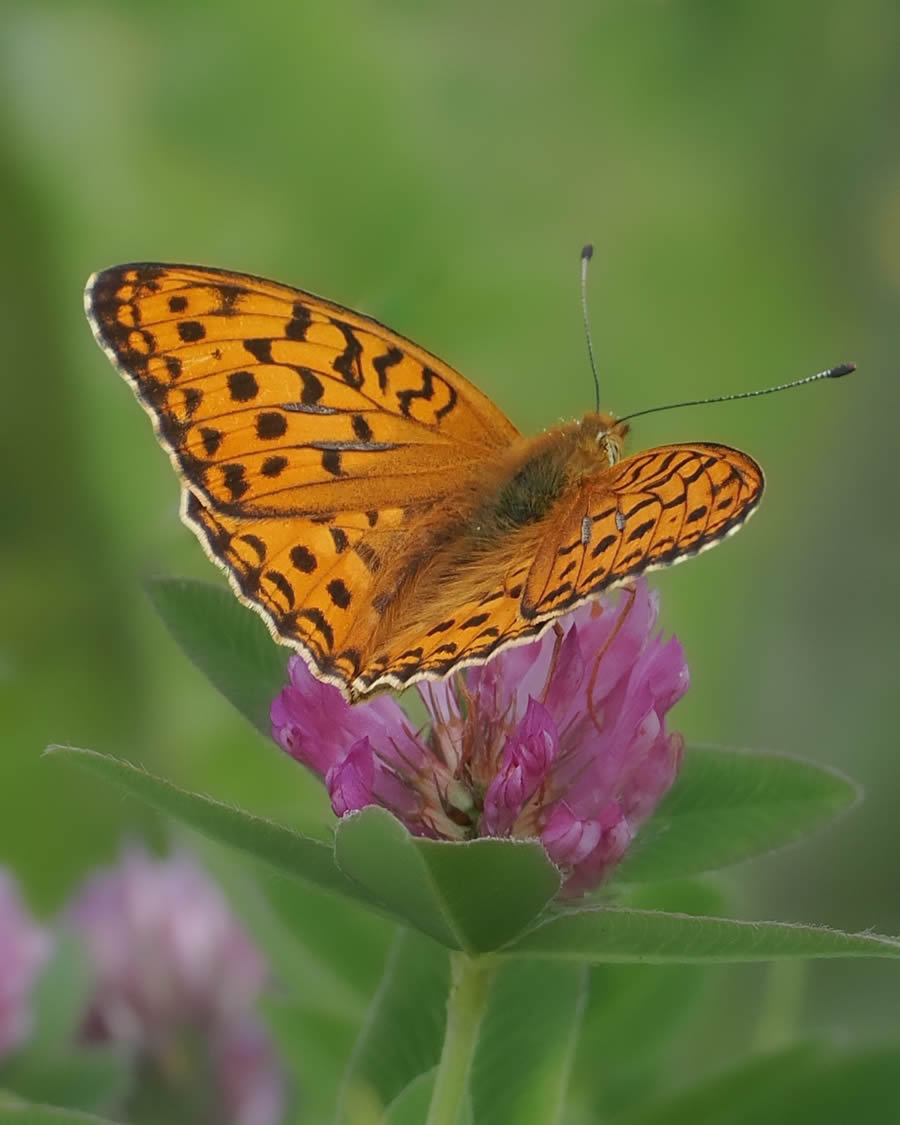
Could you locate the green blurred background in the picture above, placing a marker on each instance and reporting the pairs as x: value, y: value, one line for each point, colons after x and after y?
x: 440, y: 166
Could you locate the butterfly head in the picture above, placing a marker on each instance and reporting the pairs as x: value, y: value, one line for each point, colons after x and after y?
x: 604, y: 435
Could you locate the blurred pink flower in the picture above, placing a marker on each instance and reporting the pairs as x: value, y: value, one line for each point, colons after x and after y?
x: 251, y: 1089
x: 562, y: 739
x: 24, y: 948
x: 172, y: 966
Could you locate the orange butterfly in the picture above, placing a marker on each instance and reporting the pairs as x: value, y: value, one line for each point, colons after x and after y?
x: 377, y: 510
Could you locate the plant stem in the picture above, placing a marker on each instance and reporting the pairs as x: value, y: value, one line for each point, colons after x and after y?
x: 471, y: 978
x: 781, y: 1005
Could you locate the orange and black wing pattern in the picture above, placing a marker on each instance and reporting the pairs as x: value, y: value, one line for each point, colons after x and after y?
x: 334, y: 470
x: 647, y: 511
x: 650, y: 510
x: 306, y: 436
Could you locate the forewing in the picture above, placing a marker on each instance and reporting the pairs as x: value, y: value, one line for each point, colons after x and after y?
x: 274, y: 402
x: 650, y: 510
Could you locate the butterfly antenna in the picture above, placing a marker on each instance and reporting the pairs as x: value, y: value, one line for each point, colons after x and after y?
x: 586, y: 254
x: 831, y: 373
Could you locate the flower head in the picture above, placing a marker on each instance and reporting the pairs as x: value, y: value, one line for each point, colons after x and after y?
x: 251, y: 1088
x: 24, y: 948
x: 176, y: 980
x: 562, y: 739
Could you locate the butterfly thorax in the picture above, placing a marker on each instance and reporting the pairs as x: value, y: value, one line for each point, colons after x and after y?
x: 502, y: 511
x: 559, y: 460
x: 536, y: 472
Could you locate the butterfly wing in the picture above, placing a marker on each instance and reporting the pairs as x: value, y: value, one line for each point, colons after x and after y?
x: 307, y: 437
x: 274, y: 402
x: 314, y: 444
x: 649, y: 510
x: 313, y: 582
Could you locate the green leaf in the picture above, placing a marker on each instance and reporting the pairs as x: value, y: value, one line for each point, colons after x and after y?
x: 410, y: 1107
x: 853, y: 1085
x: 60, y: 997
x: 634, y: 1012
x: 226, y: 641
x: 526, y: 1044
x: 315, y: 1047
x: 403, y: 1033
x: 806, y: 1084
x: 86, y: 1078
x: 755, y: 1086
x: 471, y: 896
x: 310, y: 976
x: 728, y: 805
x: 339, y: 933
x: 297, y: 855
x: 51, y: 1068
x: 15, y: 1111
x: 620, y: 934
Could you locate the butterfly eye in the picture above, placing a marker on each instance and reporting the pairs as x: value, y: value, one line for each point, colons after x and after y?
x: 611, y: 445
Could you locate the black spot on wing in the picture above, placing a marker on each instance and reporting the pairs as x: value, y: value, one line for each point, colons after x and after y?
x: 347, y: 364
x: 361, y: 428
x: 426, y: 392
x: 242, y: 386
x: 603, y: 545
x: 211, y: 439
x: 193, y: 396
x: 331, y: 462
x: 270, y: 425
x: 298, y: 325
x: 338, y: 592
x: 228, y: 298
x: 190, y: 331
x: 261, y: 350
x: 274, y: 466
x: 641, y: 530
x: 641, y: 504
x: 234, y: 479
x: 320, y: 623
x: 255, y: 544
x: 284, y: 587
x: 313, y: 388
x: 303, y: 559
x: 383, y: 364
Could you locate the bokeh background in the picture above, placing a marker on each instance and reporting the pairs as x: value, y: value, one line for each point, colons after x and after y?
x: 440, y: 166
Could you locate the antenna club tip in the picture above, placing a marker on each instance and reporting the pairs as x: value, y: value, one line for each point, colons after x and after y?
x: 841, y: 369
x: 587, y: 252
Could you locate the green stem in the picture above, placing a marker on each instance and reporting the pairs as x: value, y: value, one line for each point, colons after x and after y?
x: 781, y: 1005
x: 466, y: 1003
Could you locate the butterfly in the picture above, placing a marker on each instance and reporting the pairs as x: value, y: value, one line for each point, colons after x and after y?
x: 378, y: 511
